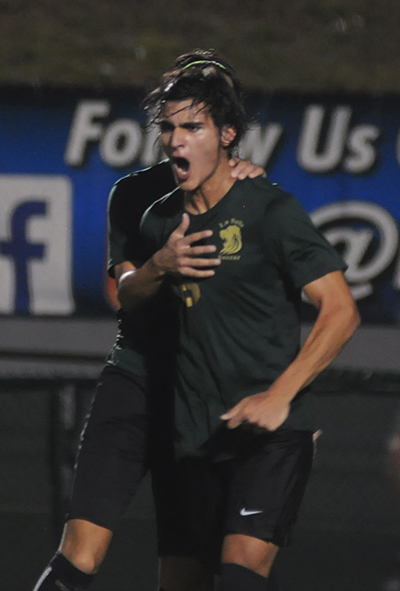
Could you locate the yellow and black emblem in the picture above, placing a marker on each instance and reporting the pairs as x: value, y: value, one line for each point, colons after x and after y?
x: 231, y: 237
x: 190, y: 293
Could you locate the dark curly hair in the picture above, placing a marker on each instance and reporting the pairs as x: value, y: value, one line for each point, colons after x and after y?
x: 209, y: 55
x: 205, y: 78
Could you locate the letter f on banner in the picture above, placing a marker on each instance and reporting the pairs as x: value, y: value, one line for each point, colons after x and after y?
x: 20, y: 250
x: 36, y: 245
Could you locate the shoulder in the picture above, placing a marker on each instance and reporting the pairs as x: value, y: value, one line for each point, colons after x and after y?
x: 267, y: 196
x: 162, y: 217
x: 281, y: 215
x: 166, y: 207
x: 140, y: 189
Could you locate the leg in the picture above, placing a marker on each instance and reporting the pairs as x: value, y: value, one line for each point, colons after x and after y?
x: 264, y: 496
x: 82, y: 550
x: 85, y: 544
x: 257, y: 555
x: 246, y: 564
x: 111, y: 463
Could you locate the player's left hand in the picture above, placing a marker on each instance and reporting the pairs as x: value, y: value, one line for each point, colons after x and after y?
x: 260, y: 410
x: 243, y: 169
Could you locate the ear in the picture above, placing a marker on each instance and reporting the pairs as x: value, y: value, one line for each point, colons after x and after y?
x: 228, y: 134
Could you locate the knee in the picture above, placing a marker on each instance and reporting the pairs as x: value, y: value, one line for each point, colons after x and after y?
x: 85, y: 545
x: 84, y: 561
x: 251, y: 553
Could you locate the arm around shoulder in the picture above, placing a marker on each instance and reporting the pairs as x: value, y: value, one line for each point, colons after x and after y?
x: 179, y: 257
x: 137, y: 283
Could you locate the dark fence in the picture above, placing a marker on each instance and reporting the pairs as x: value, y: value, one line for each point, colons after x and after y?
x: 348, y: 532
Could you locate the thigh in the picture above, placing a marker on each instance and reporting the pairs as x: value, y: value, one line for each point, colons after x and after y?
x: 112, y: 458
x: 268, y: 484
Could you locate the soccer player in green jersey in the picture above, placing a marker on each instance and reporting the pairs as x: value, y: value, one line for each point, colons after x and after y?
x: 236, y: 254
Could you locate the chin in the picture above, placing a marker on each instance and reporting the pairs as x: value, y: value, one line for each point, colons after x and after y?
x: 187, y: 185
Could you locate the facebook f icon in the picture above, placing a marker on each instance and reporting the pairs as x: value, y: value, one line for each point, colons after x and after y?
x: 21, y: 250
x: 35, y: 245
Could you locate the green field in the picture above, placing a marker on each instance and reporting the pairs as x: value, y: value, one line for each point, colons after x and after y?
x: 294, y: 45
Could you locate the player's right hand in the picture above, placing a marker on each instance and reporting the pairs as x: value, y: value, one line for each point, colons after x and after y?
x: 182, y: 256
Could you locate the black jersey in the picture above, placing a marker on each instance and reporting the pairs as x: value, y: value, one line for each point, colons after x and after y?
x: 144, y: 335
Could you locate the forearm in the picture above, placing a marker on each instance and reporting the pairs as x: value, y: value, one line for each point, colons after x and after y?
x: 327, y: 338
x: 135, y: 286
x: 179, y: 257
x: 337, y: 320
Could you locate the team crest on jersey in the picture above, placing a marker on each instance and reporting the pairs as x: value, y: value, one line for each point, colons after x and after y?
x: 231, y: 236
x: 190, y: 293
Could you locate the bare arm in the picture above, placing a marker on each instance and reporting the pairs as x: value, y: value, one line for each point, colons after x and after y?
x: 136, y: 284
x: 336, y: 322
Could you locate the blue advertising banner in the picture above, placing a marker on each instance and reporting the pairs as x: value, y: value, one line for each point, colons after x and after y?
x: 62, y: 150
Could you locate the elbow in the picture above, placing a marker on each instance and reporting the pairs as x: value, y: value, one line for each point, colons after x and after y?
x: 128, y: 302
x: 126, y: 293
x: 343, y: 317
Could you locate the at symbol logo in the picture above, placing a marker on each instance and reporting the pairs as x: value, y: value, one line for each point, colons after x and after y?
x: 368, y: 236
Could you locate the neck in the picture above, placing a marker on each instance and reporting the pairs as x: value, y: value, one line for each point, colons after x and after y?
x: 211, y: 191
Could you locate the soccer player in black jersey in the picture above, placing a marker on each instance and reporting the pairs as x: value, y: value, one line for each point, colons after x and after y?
x: 126, y: 431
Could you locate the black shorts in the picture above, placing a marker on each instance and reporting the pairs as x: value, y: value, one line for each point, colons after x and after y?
x: 114, y: 452
x: 257, y: 494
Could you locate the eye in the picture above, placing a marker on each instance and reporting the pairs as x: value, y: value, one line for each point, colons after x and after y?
x: 192, y: 126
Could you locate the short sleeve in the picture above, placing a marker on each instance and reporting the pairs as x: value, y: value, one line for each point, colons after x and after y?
x: 299, y: 247
x: 123, y: 220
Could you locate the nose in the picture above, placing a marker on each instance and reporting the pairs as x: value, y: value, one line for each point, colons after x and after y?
x: 177, y: 138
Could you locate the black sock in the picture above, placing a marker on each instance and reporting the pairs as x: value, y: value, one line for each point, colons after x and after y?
x: 61, y: 570
x: 239, y: 578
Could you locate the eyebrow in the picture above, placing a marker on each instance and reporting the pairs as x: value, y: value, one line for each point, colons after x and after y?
x: 168, y: 124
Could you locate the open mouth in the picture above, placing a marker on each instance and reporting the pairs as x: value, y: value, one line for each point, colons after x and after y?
x: 182, y: 167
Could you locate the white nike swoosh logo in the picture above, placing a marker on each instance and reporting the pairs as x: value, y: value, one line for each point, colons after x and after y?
x: 245, y: 512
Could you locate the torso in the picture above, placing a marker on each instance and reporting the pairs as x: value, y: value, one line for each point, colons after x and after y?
x: 239, y: 329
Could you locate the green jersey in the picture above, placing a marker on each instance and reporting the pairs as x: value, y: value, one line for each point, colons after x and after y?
x: 240, y: 329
